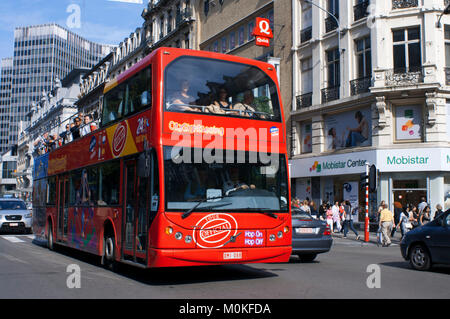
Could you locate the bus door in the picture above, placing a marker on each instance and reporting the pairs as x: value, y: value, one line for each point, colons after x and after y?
x: 141, y: 204
x: 63, y: 208
x: 129, y: 209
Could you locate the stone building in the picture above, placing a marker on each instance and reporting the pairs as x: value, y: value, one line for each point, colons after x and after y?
x: 371, y: 88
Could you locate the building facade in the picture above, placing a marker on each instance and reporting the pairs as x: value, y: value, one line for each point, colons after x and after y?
x: 42, y: 54
x: 370, y: 88
x: 54, y: 111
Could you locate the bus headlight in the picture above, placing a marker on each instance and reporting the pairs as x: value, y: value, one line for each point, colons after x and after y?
x: 286, y: 229
x: 188, y: 239
x: 178, y: 235
x: 280, y: 234
x: 272, y: 237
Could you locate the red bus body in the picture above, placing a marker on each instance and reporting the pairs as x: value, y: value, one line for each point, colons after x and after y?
x: 218, y: 237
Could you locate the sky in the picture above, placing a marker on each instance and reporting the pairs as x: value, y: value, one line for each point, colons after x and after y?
x: 103, y: 21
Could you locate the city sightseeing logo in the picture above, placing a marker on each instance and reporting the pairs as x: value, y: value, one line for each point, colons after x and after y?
x: 316, y: 167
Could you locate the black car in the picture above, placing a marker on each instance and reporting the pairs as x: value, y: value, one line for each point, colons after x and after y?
x: 309, y: 236
x: 428, y: 244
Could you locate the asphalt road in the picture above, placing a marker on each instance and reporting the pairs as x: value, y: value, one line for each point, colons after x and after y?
x: 30, y: 270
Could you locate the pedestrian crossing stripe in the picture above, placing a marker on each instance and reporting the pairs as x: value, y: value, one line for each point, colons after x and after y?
x: 13, y: 239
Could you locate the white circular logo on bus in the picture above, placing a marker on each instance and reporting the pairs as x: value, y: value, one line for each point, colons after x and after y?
x: 119, y: 139
x: 214, y: 230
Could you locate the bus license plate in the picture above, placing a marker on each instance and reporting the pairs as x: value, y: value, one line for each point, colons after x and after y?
x: 232, y: 255
x: 13, y: 224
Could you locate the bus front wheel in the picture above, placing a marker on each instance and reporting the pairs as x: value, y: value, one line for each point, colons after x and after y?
x: 109, y: 255
x: 50, y: 244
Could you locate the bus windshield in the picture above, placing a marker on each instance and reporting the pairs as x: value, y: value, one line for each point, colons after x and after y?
x: 247, y: 184
x: 217, y: 87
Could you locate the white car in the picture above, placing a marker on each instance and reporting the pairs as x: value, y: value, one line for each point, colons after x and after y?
x: 14, y: 215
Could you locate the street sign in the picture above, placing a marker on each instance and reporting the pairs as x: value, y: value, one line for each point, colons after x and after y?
x: 262, y: 32
x: 262, y: 28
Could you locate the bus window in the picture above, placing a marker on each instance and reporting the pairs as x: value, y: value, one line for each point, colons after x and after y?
x: 113, y: 104
x: 128, y: 97
x: 51, y: 191
x: 109, y: 183
x: 75, y: 188
x: 139, y: 87
x: 195, y: 84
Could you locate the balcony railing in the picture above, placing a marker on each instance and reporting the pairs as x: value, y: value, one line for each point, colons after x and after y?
x: 402, y: 4
x: 306, y: 34
x: 360, y: 85
x: 404, y: 76
x: 304, y: 100
x: 330, y: 94
x: 330, y: 24
x: 360, y: 10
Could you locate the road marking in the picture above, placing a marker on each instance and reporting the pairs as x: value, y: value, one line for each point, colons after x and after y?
x: 12, y: 258
x: 13, y: 239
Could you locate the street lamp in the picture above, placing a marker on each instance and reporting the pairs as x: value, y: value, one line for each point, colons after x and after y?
x: 446, y: 11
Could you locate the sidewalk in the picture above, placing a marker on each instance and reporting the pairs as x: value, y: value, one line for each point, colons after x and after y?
x: 372, y: 237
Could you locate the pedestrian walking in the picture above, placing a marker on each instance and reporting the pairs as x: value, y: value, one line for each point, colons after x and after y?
x: 386, y: 224
x: 397, y: 212
x: 313, y: 210
x: 348, y: 220
x: 329, y: 216
x: 336, y: 217
x: 423, y: 203
x: 323, y: 211
x: 403, y: 223
x: 438, y: 211
x: 425, y: 216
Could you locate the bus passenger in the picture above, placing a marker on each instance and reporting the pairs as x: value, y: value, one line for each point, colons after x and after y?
x: 245, y: 107
x: 75, y: 130
x: 180, y: 101
x: 222, y: 101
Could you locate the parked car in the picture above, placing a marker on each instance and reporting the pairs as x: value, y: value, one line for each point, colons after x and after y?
x: 14, y: 215
x: 309, y: 236
x: 428, y: 244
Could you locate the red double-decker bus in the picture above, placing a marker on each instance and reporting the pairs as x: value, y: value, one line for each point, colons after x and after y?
x: 187, y: 168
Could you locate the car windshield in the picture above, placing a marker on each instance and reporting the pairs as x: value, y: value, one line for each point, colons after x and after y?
x: 299, y: 213
x: 12, y: 205
x: 217, y: 87
x: 249, y: 185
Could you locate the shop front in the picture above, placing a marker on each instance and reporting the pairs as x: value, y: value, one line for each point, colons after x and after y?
x: 404, y: 176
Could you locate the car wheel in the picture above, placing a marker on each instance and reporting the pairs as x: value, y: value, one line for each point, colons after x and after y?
x: 420, y: 258
x: 307, y: 258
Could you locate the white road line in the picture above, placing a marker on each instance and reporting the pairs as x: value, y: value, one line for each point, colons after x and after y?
x: 13, y: 239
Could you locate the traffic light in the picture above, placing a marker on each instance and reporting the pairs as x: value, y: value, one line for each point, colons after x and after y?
x: 373, y: 178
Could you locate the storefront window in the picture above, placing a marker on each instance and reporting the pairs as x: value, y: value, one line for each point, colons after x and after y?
x: 409, y: 191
